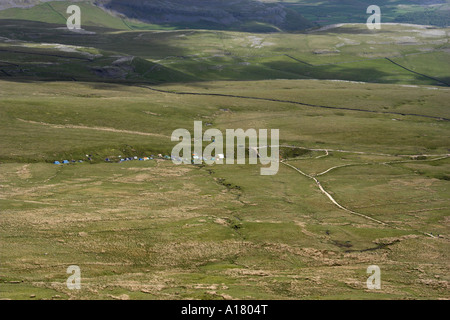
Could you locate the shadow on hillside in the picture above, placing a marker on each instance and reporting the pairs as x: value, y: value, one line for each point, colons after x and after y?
x: 154, y: 46
x: 23, y: 57
x: 241, y: 15
x: 20, y: 63
x: 350, y: 73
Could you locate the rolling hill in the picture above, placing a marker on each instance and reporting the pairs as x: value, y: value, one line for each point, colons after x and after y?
x: 364, y: 122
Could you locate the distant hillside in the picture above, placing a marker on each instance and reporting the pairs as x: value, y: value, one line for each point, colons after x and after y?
x: 238, y: 15
x: 424, y: 12
x: 233, y: 14
x: 55, y: 13
x: 243, y: 15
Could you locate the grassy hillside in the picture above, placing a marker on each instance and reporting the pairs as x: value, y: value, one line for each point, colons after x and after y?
x: 241, y: 15
x: 364, y: 122
x: 29, y: 61
x: 155, y: 230
x: 349, y: 52
x: 55, y: 12
x: 109, y: 105
x: 244, y: 15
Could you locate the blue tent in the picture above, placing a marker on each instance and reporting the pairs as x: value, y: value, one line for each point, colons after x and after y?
x: 57, y: 162
x: 66, y: 161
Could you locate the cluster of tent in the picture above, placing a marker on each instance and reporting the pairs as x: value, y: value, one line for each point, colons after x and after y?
x: 66, y: 161
x: 217, y: 157
x: 160, y: 156
x: 121, y: 159
x: 129, y: 159
x: 88, y: 156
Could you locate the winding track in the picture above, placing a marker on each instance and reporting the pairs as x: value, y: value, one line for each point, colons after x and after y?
x: 440, y: 157
x: 331, y: 198
x: 326, y: 193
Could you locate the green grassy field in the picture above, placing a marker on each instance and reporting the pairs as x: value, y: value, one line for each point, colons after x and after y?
x: 156, y: 230
x: 362, y: 114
